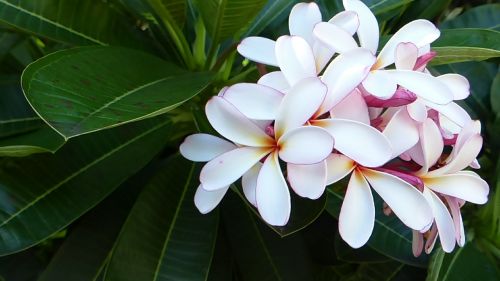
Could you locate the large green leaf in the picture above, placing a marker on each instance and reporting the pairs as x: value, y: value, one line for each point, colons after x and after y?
x: 226, y: 18
x: 42, y: 194
x: 86, y: 250
x: 87, y: 89
x: 464, y: 264
x: 484, y: 16
x: 78, y: 22
x: 260, y: 254
x: 274, y: 10
x: 467, y: 44
x: 41, y: 140
x: 495, y: 94
x: 390, y: 236
x: 165, y: 237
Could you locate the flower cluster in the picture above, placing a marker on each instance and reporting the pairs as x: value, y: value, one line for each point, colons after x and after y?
x: 335, y: 109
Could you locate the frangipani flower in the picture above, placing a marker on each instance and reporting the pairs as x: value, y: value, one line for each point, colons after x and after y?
x: 288, y: 141
x: 380, y: 82
x: 357, y: 214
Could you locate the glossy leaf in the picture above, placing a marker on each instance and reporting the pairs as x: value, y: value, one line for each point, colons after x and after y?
x: 495, y: 94
x: 60, y: 188
x: 69, y: 22
x: 390, y: 236
x: 274, y: 10
x: 41, y: 140
x: 467, y: 263
x: 226, y: 18
x: 362, y: 255
x: 484, y: 16
x: 425, y: 9
x: 260, y: 254
x: 88, y: 89
x: 459, y: 45
x: 165, y: 237
x: 388, y: 271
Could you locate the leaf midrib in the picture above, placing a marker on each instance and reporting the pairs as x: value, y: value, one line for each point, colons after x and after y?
x: 80, y: 171
x: 56, y: 24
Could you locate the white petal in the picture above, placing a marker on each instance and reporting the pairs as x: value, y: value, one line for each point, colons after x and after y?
x: 305, y: 145
x: 249, y: 183
x: 322, y: 54
x: 443, y: 220
x: 299, y: 105
x: 406, y: 56
x: 254, y: 101
x: 204, y: 147
x: 458, y: 84
x: 233, y: 125
x: 453, y: 112
x: 275, y: 80
x: 401, y: 132
x: 404, y: 199
x: 417, y: 111
x: 335, y: 37
x: 380, y: 85
x: 258, y: 49
x: 360, y: 142
x: 357, y: 214
x: 470, y: 129
x: 353, y: 107
x: 206, y: 201
x: 272, y: 195
x: 463, y: 186
x: 431, y: 142
x: 423, y: 85
x: 418, y: 32
x: 344, y: 74
x: 457, y: 219
x: 463, y: 158
x: 302, y: 19
x: 338, y: 166
x: 295, y: 58
x: 307, y: 181
x: 348, y: 20
x: 230, y: 166
x: 368, y: 32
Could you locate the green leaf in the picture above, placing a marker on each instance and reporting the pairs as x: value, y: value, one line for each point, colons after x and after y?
x: 222, y: 267
x: 362, y: 255
x: 273, y: 10
x: 87, y: 89
x: 464, y: 264
x: 260, y: 254
x: 41, y: 140
x: 388, y: 271
x: 390, y: 236
x: 42, y: 194
x: 495, y: 94
x: 379, y: 7
x: 468, y: 44
x: 68, y: 21
x: 86, y: 251
x: 226, y: 18
x: 23, y: 266
x: 425, y: 9
x: 165, y: 237
x: 484, y: 16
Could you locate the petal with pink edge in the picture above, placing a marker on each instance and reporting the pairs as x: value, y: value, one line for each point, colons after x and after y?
x: 307, y: 181
x: 353, y: 107
x: 272, y: 195
x: 462, y: 159
x: 401, y: 132
x: 230, y: 166
x: 357, y: 214
x: 275, y: 80
x: 295, y: 58
x: 406, y: 56
x: 206, y: 201
x: 423, y: 85
x: 338, y: 167
x: 305, y: 145
x: 204, y: 147
x: 299, y: 105
x: 443, y: 220
x: 418, y: 32
x: 249, y: 183
x: 457, y: 219
x: 302, y: 19
x: 348, y: 20
x: 360, y: 142
x: 404, y: 199
x: 378, y: 84
x: 233, y: 125
x: 258, y: 49
x: 254, y: 101
x: 454, y: 112
x: 344, y: 74
x: 458, y: 84
x: 368, y: 32
x: 336, y: 38
x: 463, y: 186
